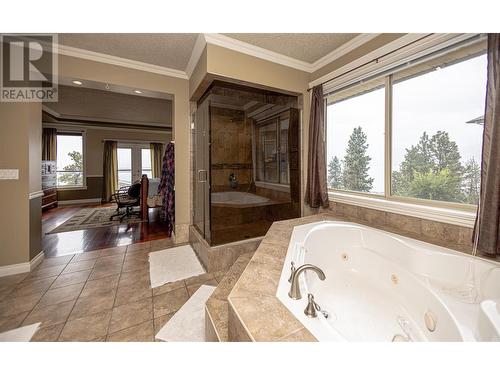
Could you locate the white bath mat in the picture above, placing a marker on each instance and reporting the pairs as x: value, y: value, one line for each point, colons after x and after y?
x: 188, y: 323
x: 173, y: 264
x: 21, y: 334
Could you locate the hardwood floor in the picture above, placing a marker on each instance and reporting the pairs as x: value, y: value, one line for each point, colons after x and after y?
x: 97, y: 238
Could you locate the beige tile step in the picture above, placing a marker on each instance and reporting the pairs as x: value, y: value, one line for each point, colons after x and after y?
x: 216, y: 313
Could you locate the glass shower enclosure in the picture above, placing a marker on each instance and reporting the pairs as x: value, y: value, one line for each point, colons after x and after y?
x: 246, y: 171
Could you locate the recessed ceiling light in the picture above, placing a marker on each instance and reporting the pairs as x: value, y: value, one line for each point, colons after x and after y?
x: 78, y: 83
x: 138, y: 91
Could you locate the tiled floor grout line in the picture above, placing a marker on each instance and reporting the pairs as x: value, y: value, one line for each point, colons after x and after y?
x: 114, y: 299
x: 44, y: 293
x: 79, y: 294
x: 71, y: 260
x: 76, y: 300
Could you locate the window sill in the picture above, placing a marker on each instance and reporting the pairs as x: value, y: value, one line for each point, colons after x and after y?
x: 72, y: 188
x: 273, y: 186
x: 464, y: 218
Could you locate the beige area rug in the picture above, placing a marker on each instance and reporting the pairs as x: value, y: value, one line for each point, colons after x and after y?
x: 89, y: 218
x: 188, y: 323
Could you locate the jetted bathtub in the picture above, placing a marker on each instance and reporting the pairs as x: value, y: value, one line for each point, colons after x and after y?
x: 237, y: 198
x: 384, y: 287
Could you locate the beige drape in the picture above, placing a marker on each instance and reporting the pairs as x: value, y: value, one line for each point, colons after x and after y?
x: 109, y: 170
x: 156, y: 159
x: 49, y: 144
x: 487, y: 229
x: 316, y: 189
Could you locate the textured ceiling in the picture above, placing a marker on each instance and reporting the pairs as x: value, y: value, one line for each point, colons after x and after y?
x: 305, y: 47
x: 167, y: 50
x: 174, y: 50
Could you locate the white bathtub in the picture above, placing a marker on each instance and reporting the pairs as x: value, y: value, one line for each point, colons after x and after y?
x: 237, y: 198
x: 379, y: 285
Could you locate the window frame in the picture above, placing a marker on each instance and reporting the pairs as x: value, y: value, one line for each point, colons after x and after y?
x: 83, y: 134
x: 277, y: 123
x: 148, y: 148
x: 451, y: 212
x: 131, y: 170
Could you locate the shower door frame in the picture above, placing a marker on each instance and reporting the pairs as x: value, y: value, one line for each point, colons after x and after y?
x: 202, y: 170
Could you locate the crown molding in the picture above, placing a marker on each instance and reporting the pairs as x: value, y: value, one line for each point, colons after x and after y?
x: 120, y: 61
x: 196, y: 53
x: 259, y: 52
x: 222, y: 41
x: 342, y: 50
x: 278, y: 58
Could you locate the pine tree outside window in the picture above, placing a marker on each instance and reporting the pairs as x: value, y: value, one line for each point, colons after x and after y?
x: 432, y: 113
x: 70, y: 160
x: 355, y: 131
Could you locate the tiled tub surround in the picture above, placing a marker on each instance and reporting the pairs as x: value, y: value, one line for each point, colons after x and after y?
x: 101, y: 295
x: 255, y: 313
x: 447, y: 235
x: 216, y: 310
x: 222, y: 257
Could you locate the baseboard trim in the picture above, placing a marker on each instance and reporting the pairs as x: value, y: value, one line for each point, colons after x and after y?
x: 79, y: 201
x: 15, y: 269
x: 37, y: 260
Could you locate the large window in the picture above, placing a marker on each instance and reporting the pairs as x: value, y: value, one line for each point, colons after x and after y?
x: 355, y: 139
x: 272, y: 151
x: 134, y: 160
x: 437, y: 146
x: 146, y: 162
x: 432, y: 113
x: 124, y: 166
x: 69, y: 160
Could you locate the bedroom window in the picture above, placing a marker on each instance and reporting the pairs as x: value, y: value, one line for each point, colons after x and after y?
x: 146, y: 162
x: 70, y: 160
x: 134, y: 160
x: 413, y: 133
x: 271, y: 145
x: 124, y: 166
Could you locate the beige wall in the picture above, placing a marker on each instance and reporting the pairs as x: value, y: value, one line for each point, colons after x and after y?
x: 84, y: 103
x: 20, y: 148
x: 179, y: 88
x: 93, y: 155
x: 198, y: 75
x: 243, y: 68
x: 94, y: 144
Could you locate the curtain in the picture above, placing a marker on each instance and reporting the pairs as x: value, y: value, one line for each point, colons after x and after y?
x: 487, y: 228
x: 49, y: 144
x: 316, y: 189
x: 109, y: 170
x: 166, y: 188
x: 156, y: 156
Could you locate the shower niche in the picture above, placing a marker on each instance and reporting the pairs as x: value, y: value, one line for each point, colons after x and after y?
x: 246, y: 162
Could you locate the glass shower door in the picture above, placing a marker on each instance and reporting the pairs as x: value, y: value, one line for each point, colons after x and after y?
x: 201, y: 209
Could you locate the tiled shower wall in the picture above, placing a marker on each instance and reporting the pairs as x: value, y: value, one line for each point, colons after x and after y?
x: 447, y: 235
x: 231, y: 148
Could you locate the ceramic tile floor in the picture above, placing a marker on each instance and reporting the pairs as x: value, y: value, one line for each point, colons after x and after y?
x: 101, y: 295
